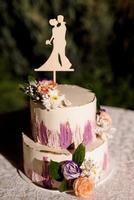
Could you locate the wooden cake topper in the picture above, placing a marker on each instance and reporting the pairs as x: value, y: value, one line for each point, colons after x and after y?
x: 57, y: 60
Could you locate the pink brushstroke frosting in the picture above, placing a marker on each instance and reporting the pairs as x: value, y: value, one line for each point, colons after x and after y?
x: 87, y: 136
x: 65, y: 135
x: 105, y: 161
x: 47, y: 181
x: 42, y: 134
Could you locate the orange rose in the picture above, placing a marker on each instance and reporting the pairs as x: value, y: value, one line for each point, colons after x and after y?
x: 83, y: 186
x: 51, y: 84
x: 42, y: 89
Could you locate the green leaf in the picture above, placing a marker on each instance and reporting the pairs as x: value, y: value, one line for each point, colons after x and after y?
x: 23, y: 86
x: 79, y: 154
x: 31, y: 80
x: 63, y: 187
x: 55, y: 170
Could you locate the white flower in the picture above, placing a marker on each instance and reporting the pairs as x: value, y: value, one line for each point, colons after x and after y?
x: 56, y: 100
x: 89, y: 168
x: 67, y: 102
x: 46, y: 103
x: 62, y: 97
x: 53, y: 93
x: 52, y: 99
x: 86, y: 167
x: 105, y: 132
x: 37, y: 98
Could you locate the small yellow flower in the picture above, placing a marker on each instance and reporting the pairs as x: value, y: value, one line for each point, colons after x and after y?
x: 94, y: 171
x: 55, y: 97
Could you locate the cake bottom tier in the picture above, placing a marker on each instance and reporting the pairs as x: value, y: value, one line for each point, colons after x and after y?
x: 37, y: 160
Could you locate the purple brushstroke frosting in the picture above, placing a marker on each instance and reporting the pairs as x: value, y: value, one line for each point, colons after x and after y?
x: 87, y: 136
x: 47, y: 182
x: 65, y: 135
x: 42, y: 134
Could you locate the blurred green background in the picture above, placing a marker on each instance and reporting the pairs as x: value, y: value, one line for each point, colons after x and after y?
x: 100, y: 45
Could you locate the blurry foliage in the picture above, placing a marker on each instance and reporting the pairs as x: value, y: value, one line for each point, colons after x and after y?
x: 100, y: 45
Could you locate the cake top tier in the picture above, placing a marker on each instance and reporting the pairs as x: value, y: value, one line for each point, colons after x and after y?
x: 51, y: 95
x: 76, y: 95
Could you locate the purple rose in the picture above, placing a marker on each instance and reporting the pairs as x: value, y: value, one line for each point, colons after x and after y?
x: 71, y: 170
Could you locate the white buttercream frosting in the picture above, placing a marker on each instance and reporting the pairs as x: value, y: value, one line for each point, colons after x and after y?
x: 78, y: 96
x: 72, y: 124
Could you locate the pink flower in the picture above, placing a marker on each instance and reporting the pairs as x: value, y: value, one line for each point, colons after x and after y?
x: 103, y: 119
x: 44, y: 86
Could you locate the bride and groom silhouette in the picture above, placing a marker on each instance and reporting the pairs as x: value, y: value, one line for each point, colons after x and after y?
x: 57, y: 60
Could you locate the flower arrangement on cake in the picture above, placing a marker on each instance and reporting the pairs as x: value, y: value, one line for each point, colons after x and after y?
x: 104, y: 124
x: 75, y: 175
x: 44, y: 92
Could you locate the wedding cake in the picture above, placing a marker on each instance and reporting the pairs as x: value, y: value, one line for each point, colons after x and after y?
x: 68, y: 149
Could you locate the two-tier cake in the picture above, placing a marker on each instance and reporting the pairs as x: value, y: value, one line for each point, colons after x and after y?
x: 68, y: 149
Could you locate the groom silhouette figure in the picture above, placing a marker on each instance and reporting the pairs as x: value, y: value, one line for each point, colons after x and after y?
x: 62, y: 42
